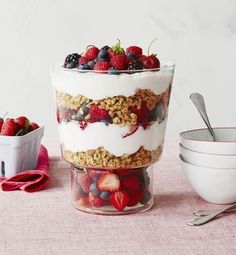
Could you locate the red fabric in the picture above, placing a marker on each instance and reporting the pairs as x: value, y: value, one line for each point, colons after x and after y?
x: 30, y: 180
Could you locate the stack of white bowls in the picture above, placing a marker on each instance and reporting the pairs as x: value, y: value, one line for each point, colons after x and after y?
x: 210, y: 167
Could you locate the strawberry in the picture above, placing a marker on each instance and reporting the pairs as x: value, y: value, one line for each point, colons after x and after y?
x: 118, y: 62
x: 149, y: 62
x: 22, y: 122
x: 141, y: 113
x: 119, y: 200
x: 9, y: 127
x: 33, y: 125
x: 108, y: 182
x: 95, y: 201
x: 91, y: 53
x: 122, y: 171
x: 132, y: 130
x: 85, y: 181
x: 83, y: 60
x: 116, y: 50
x: 101, y: 66
x: 130, y: 183
x: 1, y: 123
x: 134, y: 50
x: 135, y: 197
x: 83, y: 201
x: 97, y: 113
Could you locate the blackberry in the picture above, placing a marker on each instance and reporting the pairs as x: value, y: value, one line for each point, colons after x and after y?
x: 72, y: 60
x: 134, y: 65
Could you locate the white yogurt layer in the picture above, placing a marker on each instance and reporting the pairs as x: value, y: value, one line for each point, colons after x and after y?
x: 110, y: 137
x: 99, y: 86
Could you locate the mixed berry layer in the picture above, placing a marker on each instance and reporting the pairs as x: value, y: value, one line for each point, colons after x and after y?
x: 141, y: 109
x: 119, y: 190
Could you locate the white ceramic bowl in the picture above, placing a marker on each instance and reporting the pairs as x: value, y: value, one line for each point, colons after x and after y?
x: 216, y: 186
x: 208, y: 160
x: 200, y: 140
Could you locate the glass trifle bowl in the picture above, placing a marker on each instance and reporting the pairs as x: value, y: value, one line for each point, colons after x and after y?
x: 112, y: 130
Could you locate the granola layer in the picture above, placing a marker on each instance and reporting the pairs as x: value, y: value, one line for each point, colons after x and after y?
x: 102, y: 158
x: 120, y: 109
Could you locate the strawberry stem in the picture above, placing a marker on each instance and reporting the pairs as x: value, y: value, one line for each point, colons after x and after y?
x: 5, y: 115
x: 151, y: 43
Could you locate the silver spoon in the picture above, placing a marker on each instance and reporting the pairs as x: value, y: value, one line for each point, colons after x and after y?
x: 204, y: 219
x: 207, y: 212
x: 199, y: 103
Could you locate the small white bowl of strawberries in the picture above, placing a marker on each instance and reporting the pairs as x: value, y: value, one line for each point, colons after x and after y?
x: 20, y: 142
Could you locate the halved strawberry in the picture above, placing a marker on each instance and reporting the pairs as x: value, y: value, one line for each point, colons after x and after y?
x: 119, y: 200
x: 132, y: 130
x: 108, y: 182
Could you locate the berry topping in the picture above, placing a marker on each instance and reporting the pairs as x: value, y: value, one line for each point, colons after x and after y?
x: 95, y: 201
x: 9, y: 127
x: 22, y: 122
x: 72, y: 60
x: 91, y: 64
x: 116, y: 50
x: 150, y: 62
x: 102, y: 66
x: 1, y: 123
x: 83, y: 60
x: 33, y: 125
x: 134, y: 65
x: 112, y: 70
x: 119, y: 200
x: 85, y: 181
x: 97, y: 113
x: 103, y: 55
x: 105, y: 48
x: 91, y: 53
x: 130, y: 183
x: 134, y: 51
x: 118, y: 62
x: 133, y: 129
x: 108, y: 182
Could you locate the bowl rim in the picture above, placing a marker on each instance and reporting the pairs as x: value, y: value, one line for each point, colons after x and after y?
x: 201, y: 152
x: 206, y: 167
x: 205, y: 141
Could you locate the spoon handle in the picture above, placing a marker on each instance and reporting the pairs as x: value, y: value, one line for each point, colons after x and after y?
x: 199, y: 103
x: 204, y: 219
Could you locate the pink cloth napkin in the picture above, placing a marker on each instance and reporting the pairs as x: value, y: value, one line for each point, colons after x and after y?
x: 29, y: 180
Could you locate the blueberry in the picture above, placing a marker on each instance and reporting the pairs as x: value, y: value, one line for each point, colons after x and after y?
x: 107, y: 121
x: 94, y: 190
x: 156, y: 113
x: 131, y: 55
x: 113, y: 71
x: 84, y: 67
x: 146, y: 197
x: 105, y: 48
x: 95, y: 179
x: 103, y: 55
x: 105, y: 195
x: 145, y: 180
x: 91, y: 64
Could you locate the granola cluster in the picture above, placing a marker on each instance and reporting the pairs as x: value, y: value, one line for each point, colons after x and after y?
x: 102, y: 158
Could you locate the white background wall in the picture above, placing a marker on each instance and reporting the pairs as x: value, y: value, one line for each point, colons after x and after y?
x: 200, y: 36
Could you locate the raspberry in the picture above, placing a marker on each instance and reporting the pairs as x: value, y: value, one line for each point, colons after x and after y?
x: 97, y: 114
x: 85, y: 181
x: 150, y: 62
x: 83, y: 60
x: 91, y: 53
x: 134, y: 50
x: 9, y: 127
x: 1, y: 123
x: 116, y: 50
x: 141, y: 113
x: 33, y: 125
x: 135, y: 197
x: 118, y: 62
x: 22, y: 121
x: 95, y: 201
x: 130, y: 183
x: 102, y: 66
